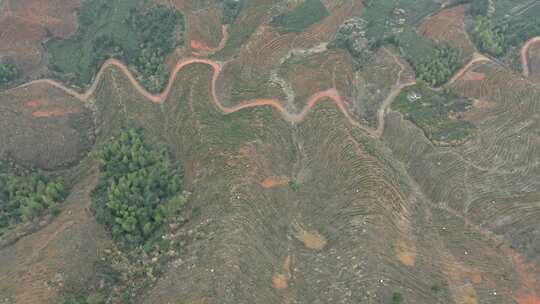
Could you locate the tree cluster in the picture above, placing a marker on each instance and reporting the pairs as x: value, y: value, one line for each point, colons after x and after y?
x: 139, y: 188
x: 157, y: 30
x: 8, y: 73
x: 26, y: 194
x: 436, y: 70
x: 498, y: 39
x: 231, y: 9
x: 351, y: 36
x: 488, y: 38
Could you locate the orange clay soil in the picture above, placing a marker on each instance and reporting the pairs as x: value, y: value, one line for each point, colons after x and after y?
x: 275, y: 181
x: 54, y: 112
x: 35, y: 103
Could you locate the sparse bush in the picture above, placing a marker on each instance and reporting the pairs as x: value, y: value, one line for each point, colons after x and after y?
x: 351, y: 36
x: 139, y: 188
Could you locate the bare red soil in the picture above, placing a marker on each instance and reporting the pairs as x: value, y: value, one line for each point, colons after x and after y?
x: 35, y: 103
x: 275, y: 181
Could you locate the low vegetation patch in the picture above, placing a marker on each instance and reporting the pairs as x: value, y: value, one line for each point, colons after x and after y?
x: 8, y: 74
x: 302, y: 16
x: 26, y: 194
x: 439, y: 114
x: 119, y: 29
x: 138, y: 191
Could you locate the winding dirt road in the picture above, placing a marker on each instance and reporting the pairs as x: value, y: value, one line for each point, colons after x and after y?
x: 331, y: 93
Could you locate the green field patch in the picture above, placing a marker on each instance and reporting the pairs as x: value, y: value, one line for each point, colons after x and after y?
x: 302, y: 16
x: 439, y: 114
x: 123, y: 30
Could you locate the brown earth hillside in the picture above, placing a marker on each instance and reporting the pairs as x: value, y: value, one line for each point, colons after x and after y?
x: 305, y: 186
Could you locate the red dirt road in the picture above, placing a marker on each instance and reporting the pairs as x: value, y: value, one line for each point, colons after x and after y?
x: 331, y: 94
x: 204, y: 50
x: 524, y: 56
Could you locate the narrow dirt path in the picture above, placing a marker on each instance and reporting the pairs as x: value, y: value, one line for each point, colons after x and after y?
x: 398, y: 86
x: 477, y: 57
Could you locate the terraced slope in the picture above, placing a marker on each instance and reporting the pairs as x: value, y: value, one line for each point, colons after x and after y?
x: 294, y: 200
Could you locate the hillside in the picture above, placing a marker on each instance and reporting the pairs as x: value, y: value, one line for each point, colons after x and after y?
x: 329, y: 151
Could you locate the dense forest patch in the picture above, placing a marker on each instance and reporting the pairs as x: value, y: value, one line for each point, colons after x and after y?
x: 139, y: 188
x: 439, y: 114
x: 120, y: 29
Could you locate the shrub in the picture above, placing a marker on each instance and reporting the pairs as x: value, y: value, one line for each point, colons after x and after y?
x: 487, y: 38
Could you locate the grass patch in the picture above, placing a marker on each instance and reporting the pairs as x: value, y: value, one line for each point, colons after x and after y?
x: 302, y: 16
x: 438, y: 114
x: 120, y: 29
